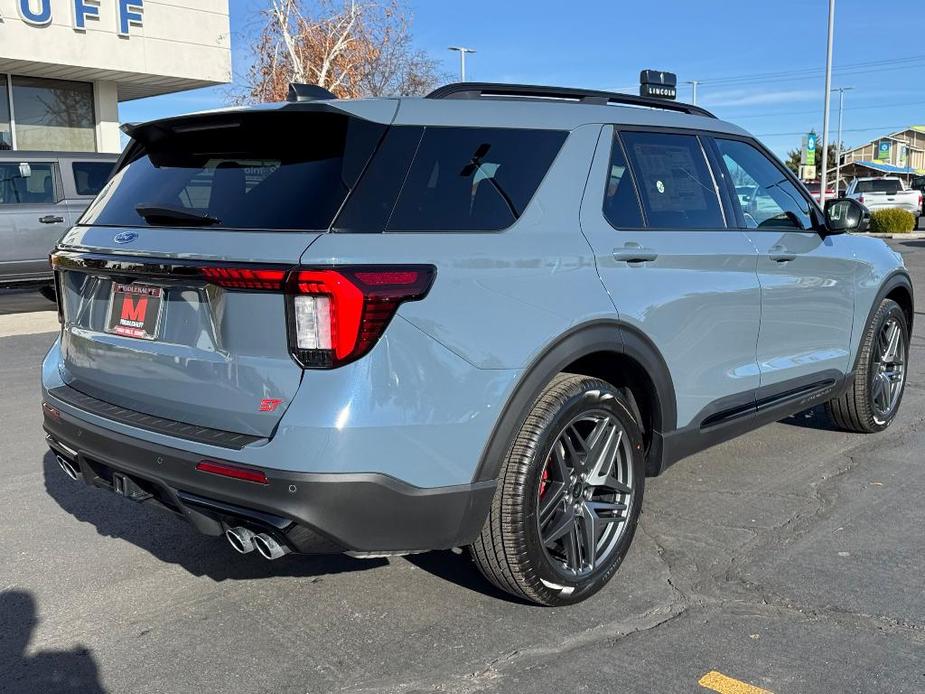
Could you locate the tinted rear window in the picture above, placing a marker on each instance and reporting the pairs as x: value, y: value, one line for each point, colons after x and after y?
x: 451, y: 179
x: 891, y: 187
x: 271, y: 170
x: 90, y: 176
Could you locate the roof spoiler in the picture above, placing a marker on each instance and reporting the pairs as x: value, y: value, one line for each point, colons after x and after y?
x: 307, y: 92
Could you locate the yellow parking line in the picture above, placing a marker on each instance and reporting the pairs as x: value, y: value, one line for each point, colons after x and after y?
x: 718, y: 682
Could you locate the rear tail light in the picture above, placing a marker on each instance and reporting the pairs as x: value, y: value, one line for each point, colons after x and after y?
x: 861, y: 199
x: 338, y: 315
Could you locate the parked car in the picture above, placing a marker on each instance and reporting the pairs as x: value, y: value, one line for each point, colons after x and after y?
x: 815, y: 186
x: 478, y: 319
x: 41, y: 195
x: 918, y: 183
x: 885, y: 193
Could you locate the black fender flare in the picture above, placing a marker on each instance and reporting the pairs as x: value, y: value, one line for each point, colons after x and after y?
x: 896, y: 279
x: 588, y: 338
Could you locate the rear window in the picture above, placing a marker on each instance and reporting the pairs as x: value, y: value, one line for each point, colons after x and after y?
x: 267, y: 170
x: 451, y: 179
x: 882, y: 186
x: 90, y: 176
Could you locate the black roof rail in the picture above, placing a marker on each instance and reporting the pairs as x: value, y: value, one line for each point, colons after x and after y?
x: 478, y: 90
x: 307, y: 92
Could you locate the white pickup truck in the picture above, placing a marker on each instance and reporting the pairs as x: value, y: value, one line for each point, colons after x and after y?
x: 884, y: 193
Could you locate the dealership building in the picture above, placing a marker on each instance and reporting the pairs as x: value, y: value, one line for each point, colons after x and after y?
x: 66, y: 64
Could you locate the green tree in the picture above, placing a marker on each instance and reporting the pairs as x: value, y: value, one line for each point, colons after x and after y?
x: 794, y: 155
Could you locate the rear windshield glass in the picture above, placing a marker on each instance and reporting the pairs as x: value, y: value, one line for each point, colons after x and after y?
x: 451, y: 179
x: 267, y: 170
x: 90, y: 176
x: 885, y: 186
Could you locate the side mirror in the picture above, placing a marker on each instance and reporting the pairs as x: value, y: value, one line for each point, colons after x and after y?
x: 846, y: 214
x: 25, y: 170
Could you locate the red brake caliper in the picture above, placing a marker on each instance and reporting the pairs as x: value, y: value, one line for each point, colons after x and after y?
x: 544, y: 479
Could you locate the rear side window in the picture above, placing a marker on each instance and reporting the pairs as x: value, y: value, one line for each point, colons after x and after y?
x: 451, y: 179
x: 90, y: 176
x: 621, y: 204
x: 879, y: 186
x: 27, y: 183
x: 266, y: 170
x: 675, y: 183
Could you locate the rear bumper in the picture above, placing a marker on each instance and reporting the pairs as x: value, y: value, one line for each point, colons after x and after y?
x: 310, y: 512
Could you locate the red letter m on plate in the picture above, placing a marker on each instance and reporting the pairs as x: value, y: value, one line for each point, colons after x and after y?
x: 132, y: 311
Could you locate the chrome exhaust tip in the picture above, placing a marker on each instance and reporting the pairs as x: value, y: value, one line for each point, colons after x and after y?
x: 241, y: 539
x: 68, y: 467
x: 268, y: 547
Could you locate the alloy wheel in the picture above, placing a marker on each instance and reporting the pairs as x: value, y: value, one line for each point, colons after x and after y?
x: 585, y: 493
x: 889, y: 372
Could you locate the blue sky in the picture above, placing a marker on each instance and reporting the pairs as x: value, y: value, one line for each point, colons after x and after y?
x: 604, y: 43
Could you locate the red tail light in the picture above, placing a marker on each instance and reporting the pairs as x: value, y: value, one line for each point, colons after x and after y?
x: 861, y: 199
x: 238, y: 473
x: 245, y: 278
x: 338, y: 315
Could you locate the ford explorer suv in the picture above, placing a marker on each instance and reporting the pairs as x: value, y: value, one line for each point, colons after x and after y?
x: 478, y: 319
x: 42, y: 194
x: 885, y: 193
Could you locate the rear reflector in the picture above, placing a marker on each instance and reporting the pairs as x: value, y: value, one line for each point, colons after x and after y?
x: 238, y: 473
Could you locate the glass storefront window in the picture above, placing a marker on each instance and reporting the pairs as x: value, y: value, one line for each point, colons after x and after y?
x: 6, y: 135
x: 53, y: 115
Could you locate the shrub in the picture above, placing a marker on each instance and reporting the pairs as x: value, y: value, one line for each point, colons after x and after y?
x: 891, y: 222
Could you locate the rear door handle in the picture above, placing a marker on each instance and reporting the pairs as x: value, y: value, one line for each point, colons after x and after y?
x: 51, y: 219
x: 780, y: 254
x: 634, y: 253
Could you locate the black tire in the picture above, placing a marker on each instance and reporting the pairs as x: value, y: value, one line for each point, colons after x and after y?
x: 510, y: 551
x: 854, y: 410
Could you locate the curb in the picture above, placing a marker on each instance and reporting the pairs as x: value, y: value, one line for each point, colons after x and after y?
x: 907, y: 235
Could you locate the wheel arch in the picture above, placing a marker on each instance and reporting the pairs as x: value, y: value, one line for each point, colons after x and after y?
x: 897, y: 287
x: 610, y: 350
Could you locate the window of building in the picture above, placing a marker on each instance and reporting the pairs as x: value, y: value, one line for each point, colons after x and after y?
x: 53, y: 115
x: 675, y: 183
x: 37, y: 187
x: 90, y: 176
x: 621, y: 204
x: 767, y: 198
x: 6, y: 131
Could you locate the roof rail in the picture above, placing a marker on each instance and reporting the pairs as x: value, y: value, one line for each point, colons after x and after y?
x: 307, y: 92
x: 478, y: 90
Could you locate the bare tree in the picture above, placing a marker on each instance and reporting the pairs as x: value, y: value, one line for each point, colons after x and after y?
x: 349, y: 47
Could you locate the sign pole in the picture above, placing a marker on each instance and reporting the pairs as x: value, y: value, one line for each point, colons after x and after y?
x: 828, y: 100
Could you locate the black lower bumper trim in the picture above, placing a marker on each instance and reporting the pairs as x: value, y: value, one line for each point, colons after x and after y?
x: 314, y: 512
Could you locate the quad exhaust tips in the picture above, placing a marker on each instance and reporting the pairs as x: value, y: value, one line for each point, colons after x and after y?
x: 244, y: 541
x: 268, y: 547
x: 69, y: 468
x: 241, y: 539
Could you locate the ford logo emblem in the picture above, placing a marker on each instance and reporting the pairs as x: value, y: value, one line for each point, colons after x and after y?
x: 125, y: 237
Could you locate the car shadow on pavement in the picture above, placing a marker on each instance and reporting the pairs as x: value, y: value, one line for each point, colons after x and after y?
x: 172, y: 540
x: 49, y: 672
x: 814, y: 418
x: 457, y: 567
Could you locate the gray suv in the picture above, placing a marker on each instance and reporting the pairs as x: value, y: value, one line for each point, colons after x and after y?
x: 41, y: 195
x: 478, y: 319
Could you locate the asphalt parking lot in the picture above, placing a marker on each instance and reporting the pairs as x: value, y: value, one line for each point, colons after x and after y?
x: 791, y: 559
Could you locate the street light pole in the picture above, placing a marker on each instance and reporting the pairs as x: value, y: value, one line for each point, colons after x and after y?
x: 693, y: 84
x: 841, y: 110
x: 462, y: 60
x: 828, y: 102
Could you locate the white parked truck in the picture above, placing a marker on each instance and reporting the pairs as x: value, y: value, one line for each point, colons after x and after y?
x: 885, y: 193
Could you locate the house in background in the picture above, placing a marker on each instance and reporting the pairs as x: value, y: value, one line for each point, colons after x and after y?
x: 898, y: 154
